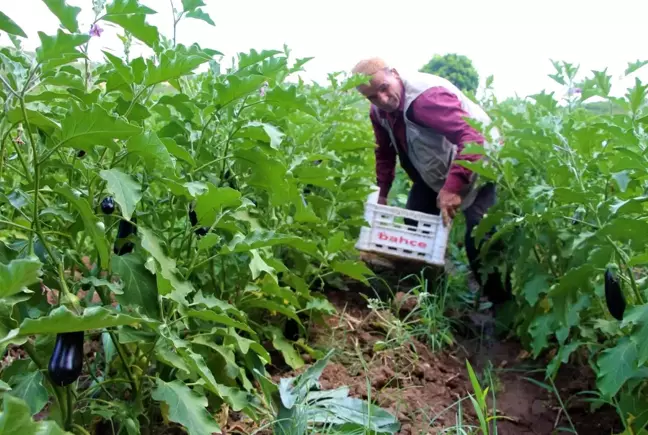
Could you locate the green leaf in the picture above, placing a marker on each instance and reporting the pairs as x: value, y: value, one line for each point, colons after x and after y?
x: 223, y: 319
x: 235, y: 398
x: 236, y: 87
x: 265, y: 304
x: 8, y: 25
x: 638, y: 315
x: 16, y: 419
x: 535, y: 287
x: 269, y: 173
x: 29, y: 387
x: 175, y: 63
x: 131, y: 16
x: 289, y: 99
x: 260, y: 238
x: 262, y: 132
x: 291, y: 356
x: 66, y: 14
x: 209, y: 241
x: 61, y: 319
x: 622, y: 179
x: 355, y: 269
x: 170, y: 284
x: 231, y: 368
x: 200, y: 15
x: 176, y: 150
x: 151, y: 150
x: 19, y: 274
x: 90, y: 222
x: 636, y: 96
x: 64, y: 79
x: 47, y: 96
x: 152, y: 245
x: 84, y: 129
x: 211, y: 301
x: 35, y: 118
x: 165, y: 352
x: 634, y: 66
x: 62, y: 46
x: 254, y: 57
x: 258, y: 265
x: 562, y: 357
x: 322, y: 305
x: 616, y: 366
x: 4, y: 386
x: 354, y: 414
x: 190, y: 5
x: 186, y: 407
x: 211, y: 203
x: 126, y: 191
x: 125, y: 71
x: 626, y: 229
x: 140, y: 288
x: 317, y: 176
x: 540, y: 328
x: 478, y: 167
x: 566, y: 292
x: 335, y: 243
x: 245, y: 344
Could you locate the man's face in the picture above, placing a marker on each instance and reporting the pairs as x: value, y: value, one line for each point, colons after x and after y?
x: 384, y: 90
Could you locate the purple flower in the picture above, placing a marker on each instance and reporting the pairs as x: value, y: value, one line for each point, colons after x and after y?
x: 575, y: 91
x: 95, y: 30
x: 263, y: 89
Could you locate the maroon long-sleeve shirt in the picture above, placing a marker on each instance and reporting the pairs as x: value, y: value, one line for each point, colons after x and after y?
x: 439, y: 109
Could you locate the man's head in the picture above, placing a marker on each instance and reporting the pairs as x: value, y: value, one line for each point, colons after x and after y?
x: 385, y: 89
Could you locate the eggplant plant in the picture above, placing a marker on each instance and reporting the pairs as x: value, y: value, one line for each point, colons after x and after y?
x: 151, y: 213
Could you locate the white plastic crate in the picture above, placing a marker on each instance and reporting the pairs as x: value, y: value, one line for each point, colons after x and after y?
x: 388, y: 234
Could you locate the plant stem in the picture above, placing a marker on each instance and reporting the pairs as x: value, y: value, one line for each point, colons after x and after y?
x: 8, y: 86
x: 120, y: 350
x: 70, y: 406
x: 135, y: 98
x: 202, y: 134
x: 23, y: 162
x: 199, y: 168
x: 562, y: 405
x: 94, y: 378
x: 122, y: 356
x: 624, y: 260
x: 3, y: 146
x: 29, y: 348
x: 35, y: 221
x: 16, y: 226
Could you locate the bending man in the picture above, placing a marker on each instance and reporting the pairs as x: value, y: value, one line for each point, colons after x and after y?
x: 419, y: 117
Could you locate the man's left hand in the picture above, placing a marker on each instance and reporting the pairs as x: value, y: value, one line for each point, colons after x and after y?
x: 448, y: 204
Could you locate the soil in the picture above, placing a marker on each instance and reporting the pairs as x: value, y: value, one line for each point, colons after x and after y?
x: 424, y: 390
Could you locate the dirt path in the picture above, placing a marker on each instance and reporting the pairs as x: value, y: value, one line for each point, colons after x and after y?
x: 428, y: 392
x: 534, y: 409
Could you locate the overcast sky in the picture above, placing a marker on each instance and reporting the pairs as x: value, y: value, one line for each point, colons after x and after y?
x: 512, y: 39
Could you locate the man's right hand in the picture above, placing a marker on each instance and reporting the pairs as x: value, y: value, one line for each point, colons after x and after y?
x: 382, y: 200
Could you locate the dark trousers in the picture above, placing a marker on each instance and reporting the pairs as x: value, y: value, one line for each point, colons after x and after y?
x: 422, y: 198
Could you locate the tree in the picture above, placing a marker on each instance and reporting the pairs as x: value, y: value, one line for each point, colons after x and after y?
x: 455, y: 67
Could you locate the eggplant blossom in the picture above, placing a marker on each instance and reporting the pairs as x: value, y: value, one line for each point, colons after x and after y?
x: 95, y: 30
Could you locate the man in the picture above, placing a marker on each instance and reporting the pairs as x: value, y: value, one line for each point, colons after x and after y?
x: 419, y: 117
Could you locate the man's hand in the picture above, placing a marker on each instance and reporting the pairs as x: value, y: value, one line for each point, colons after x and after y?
x: 382, y: 200
x: 448, y: 203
